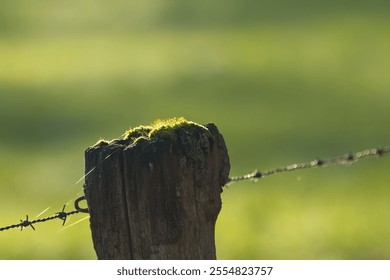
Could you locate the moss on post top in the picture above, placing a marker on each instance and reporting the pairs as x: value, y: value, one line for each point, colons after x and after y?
x: 159, y: 129
x: 163, y: 129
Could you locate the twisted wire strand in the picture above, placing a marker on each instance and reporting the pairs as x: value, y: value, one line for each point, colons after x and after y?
x: 340, y: 160
x: 25, y: 223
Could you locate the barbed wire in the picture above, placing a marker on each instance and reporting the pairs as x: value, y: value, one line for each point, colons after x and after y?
x: 340, y: 160
x: 62, y: 215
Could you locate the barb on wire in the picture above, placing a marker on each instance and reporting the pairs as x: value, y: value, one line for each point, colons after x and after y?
x: 62, y: 215
x: 340, y: 160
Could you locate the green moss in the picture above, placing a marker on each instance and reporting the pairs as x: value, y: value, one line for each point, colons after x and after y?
x: 101, y: 142
x: 140, y: 139
x: 159, y: 129
x: 140, y: 131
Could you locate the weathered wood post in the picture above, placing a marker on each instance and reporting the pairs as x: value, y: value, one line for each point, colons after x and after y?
x: 156, y: 193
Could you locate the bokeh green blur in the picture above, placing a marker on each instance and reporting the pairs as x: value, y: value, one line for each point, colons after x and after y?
x: 284, y: 81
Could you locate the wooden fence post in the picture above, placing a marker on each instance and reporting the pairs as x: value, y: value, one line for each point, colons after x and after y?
x: 156, y: 194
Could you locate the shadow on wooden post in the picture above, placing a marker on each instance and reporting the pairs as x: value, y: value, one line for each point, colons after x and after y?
x: 157, y: 197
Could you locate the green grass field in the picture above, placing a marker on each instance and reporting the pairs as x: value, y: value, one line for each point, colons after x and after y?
x: 284, y: 81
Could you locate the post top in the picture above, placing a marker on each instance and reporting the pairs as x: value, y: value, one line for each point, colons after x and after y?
x: 159, y: 129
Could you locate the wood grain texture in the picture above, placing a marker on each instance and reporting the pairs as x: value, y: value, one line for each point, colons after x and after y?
x: 157, y: 198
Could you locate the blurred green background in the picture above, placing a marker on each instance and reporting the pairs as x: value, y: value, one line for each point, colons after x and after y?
x: 284, y: 81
